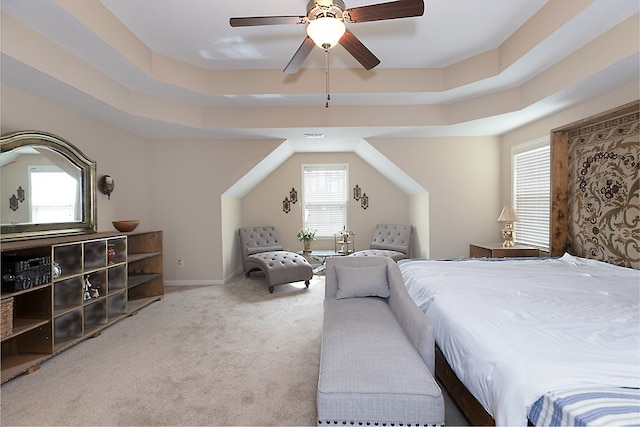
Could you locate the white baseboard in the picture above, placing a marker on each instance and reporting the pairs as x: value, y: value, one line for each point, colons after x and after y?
x: 203, y: 282
x: 233, y: 275
x: 193, y: 282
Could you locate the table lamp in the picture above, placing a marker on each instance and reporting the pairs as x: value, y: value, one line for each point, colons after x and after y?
x: 508, y: 216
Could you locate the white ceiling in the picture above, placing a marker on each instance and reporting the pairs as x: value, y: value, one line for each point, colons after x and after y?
x: 197, y: 32
x: 211, y: 43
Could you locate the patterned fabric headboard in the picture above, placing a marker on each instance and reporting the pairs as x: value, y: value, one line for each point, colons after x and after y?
x: 604, y: 192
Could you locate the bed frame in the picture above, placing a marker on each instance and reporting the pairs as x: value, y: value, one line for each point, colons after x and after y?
x: 621, y: 122
x: 468, y: 404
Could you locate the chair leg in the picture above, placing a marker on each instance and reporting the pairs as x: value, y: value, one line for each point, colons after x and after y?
x: 270, y: 289
x: 306, y: 282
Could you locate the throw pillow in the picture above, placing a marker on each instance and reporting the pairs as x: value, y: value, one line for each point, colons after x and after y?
x: 354, y: 282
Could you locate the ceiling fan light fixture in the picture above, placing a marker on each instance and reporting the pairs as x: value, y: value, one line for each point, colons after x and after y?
x: 326, y: 31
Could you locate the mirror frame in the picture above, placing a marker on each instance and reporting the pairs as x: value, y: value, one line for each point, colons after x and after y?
x: 88, y: 224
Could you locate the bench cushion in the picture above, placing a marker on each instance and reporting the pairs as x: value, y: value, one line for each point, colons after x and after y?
x: 394, y: 255
x: 355, y: 282
x: 369, y: 371
x: 281, y: 267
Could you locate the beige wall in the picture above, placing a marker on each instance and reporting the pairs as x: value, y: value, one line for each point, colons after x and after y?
x: 190, y: 178
x: 462, y: 177
x: 231, y: 221
x: 177, y: 186
x: 263, y: 205
x: 543, y: 127
x: 117, y: 153
x: 172, y: 186
x: 462, y: 202
x: 419, y: 218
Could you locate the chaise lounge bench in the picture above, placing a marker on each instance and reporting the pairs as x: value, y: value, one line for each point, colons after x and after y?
x: 261, y: 250
x: 389, y: 240
x: 378, y: 352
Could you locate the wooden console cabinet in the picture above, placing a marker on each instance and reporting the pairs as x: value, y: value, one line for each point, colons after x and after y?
x: 496, y: 250
x: 82, y: 285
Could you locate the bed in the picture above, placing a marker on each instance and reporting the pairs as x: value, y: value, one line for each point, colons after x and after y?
x: 552, y: 341
x: 542, y: 340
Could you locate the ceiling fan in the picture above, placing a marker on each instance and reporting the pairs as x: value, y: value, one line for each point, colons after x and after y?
x: 326, y: 26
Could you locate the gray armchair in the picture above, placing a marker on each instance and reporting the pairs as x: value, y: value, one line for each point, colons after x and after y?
x: 261, y: 250
x: 389, y: 240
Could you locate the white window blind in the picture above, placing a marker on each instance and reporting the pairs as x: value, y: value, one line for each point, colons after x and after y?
x: 324, y: 198
x: 532, y: 178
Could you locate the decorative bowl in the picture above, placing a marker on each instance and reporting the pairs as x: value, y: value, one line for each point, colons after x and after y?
x: 126, y: 225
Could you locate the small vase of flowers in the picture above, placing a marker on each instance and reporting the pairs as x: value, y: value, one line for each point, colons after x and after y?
x: 344, y: 235
x: 344, y: 240
x: 306, y: 236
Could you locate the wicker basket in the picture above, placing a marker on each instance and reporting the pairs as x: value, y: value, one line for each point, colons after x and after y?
x: 6, y: 317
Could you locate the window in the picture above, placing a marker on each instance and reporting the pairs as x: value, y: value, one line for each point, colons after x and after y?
x: 324, y: 198
x: 53, y: 195
x: 531, y: 182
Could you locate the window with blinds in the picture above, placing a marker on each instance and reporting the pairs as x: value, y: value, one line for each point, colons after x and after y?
x: 532, y: 180
x: 53, y: 196
x: 324, y: 198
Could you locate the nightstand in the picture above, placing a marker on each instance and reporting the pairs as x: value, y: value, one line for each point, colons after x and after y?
x: 496, y: 250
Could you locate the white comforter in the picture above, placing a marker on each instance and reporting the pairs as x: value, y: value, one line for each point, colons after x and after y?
x: 513, y: 330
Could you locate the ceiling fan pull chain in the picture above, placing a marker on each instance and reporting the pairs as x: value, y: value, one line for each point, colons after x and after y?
x: 326, y: 105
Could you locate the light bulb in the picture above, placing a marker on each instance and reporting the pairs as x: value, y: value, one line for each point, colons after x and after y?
x: 325, y: 31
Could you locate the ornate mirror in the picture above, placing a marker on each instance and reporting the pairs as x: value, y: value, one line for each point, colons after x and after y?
x: 47, y: 187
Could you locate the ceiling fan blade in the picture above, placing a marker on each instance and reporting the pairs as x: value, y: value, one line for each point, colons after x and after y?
x: 301, y: 54
x: 391, y: 10
x: 358, y: 50
x: 266, y: 20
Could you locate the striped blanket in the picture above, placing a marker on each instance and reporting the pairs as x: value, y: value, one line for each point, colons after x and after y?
x: 588, y: 406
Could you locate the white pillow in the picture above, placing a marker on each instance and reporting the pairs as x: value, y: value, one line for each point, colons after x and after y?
x: 354, y: 282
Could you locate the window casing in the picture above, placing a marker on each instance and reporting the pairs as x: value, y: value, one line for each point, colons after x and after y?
x: 324, y: 198
x: 531, y: 193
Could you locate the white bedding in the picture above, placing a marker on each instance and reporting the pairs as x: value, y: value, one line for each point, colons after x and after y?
x: 515, y: 329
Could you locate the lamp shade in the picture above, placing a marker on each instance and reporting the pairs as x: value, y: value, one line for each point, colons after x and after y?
x: 325, y: 31
x: 508, y: 214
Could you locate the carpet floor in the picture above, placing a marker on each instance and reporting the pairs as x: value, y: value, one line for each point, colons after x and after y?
x: 229, y: 354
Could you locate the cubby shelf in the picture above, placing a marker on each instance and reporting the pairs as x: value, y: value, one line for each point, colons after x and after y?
x: 21, y: 326
x: 142, y: 256
x: 24, y: 291
x: 137, y: 279
x: 90, y: 290
x: 145, y: 270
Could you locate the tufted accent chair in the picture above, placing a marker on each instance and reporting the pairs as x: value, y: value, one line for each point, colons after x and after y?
x: 261, y: 250
x: 389, y: 240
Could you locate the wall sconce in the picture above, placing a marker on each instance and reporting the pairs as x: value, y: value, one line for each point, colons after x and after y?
x: 364, y: 201
x: 286, y: 205
x: 357, y: 192
x: 106, y: 185
x: 508, y: 216
x: 13, y: 202
x: 293, y: 196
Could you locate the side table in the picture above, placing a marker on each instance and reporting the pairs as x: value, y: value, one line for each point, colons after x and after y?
x: 321, y: 257
x: 496, y: 250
